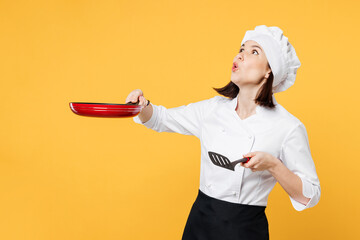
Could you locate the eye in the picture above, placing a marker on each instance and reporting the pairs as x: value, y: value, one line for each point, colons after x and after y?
x: 252, y: 51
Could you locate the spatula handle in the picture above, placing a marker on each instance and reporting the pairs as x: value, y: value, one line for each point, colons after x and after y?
x: 244, y: 160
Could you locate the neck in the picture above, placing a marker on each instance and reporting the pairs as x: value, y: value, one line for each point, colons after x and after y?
x: 246, y: 102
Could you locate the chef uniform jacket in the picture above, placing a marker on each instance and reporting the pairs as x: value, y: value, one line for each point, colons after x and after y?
x: 220, y: 129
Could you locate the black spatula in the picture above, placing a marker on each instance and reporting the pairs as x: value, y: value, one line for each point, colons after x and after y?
x: 222, y: 161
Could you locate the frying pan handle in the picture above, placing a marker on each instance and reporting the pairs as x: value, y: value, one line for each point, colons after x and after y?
x: 137, y: 103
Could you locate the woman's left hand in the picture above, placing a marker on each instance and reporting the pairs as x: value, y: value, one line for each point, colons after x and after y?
x: 260, y: 161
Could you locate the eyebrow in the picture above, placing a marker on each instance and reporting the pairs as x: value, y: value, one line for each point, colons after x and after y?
x: 252, y: 46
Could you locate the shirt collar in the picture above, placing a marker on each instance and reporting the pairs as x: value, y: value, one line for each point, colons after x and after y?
x: 259, y: 108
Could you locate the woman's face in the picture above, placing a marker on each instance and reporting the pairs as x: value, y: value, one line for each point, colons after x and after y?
x: 250, y: 66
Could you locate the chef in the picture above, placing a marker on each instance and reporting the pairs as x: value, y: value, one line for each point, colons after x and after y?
x: 243, y: 122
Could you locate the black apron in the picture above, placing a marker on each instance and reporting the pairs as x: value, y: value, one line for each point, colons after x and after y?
x: 214, y: 219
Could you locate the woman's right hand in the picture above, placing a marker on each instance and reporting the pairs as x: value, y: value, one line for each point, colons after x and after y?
x: 136, y: 95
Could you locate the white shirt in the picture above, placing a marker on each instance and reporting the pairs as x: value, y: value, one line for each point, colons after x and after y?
x: 220, y: 129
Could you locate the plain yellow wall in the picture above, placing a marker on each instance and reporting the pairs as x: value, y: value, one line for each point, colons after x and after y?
x: 63, y: 176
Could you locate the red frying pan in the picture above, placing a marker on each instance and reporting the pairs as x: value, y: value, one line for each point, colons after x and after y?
x: 113, y: 110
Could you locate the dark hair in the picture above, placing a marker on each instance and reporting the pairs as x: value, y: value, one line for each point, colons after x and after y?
x: 263, y: 97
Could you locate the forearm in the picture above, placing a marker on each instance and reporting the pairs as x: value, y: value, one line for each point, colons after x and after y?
x: 146, y: 113
x: 289, y: 181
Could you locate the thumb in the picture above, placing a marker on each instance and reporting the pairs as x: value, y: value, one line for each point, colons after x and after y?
x: 250, y: 154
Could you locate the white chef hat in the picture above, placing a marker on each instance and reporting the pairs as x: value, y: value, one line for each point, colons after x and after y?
x: 279, y: 52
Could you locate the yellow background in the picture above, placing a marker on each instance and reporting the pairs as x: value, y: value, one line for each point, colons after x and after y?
x: 63, y: 176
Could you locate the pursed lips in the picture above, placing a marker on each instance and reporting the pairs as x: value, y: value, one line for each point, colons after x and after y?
x: 235, y: 66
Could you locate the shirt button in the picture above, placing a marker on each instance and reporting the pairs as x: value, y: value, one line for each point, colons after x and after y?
x: 250, y: 137
x: 235, y: 193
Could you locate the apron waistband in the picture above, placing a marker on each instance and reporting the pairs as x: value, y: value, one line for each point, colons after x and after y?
x: 205, y: 197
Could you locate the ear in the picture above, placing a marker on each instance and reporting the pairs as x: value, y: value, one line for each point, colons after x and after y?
x: 268, y: 71
x: 268, y: 74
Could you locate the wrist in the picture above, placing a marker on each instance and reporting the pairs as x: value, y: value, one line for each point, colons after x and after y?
x: 275, y: 166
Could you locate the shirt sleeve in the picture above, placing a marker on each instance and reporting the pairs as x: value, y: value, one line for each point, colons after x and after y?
x: 295, y: 154
x: 186, y: 119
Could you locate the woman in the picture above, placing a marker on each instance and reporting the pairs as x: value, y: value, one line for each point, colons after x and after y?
x: 245, y: 122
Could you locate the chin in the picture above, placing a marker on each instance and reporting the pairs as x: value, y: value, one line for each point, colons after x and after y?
x: 235, y: 80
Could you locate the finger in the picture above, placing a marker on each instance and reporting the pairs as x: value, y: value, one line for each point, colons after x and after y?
x: 144, y: 101
x: 139, y: 92
x: 250, y: 154
x: 137, y: 98
x: 132, y: 98
x: 247, y: 165
x: 244, y: 165
x: 128, y: 98
x: 251, y: 163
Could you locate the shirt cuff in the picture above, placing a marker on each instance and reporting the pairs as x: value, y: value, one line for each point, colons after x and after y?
x: 308, y: 191
x: 151, y: 122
